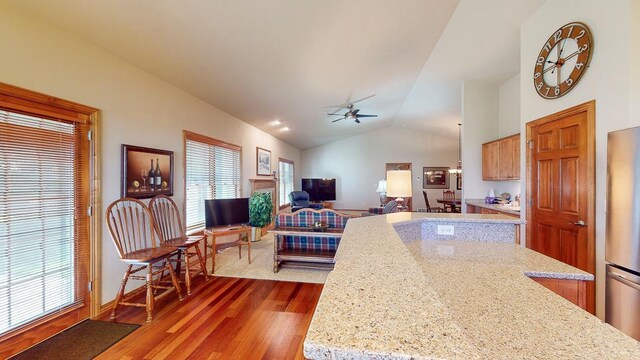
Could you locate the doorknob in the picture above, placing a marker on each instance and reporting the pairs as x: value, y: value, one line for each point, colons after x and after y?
x: 579, y: 223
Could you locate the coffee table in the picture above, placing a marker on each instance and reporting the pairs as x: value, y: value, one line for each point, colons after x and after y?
x: 305, y: 258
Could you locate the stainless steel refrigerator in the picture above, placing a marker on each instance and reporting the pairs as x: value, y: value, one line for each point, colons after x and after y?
x: 622, y: 251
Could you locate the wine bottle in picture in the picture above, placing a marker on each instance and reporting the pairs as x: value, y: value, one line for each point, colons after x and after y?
x: 152, y: 176
x: 158, y: 175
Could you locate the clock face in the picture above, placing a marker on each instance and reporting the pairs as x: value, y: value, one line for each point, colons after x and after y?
x: 562, y: 60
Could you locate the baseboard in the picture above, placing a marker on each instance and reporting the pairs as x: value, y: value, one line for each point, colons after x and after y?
x: 108, y: 306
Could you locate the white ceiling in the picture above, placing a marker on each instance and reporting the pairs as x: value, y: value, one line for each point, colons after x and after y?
x: 262, y: 60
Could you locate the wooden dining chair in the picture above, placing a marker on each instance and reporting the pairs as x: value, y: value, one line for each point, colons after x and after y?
x: 168, y: 225
x: 429, y: 208
x: 131, y: 227
x: 449, y: 195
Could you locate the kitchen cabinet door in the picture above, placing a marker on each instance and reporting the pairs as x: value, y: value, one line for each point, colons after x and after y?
x: 501, y: 159
x: 490, y: 160
x: 505, y: 161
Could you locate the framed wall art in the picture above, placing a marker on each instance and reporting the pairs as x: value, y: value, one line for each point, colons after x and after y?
x: 435, y: 177
x: 263, y: 161
x: 146, y: 172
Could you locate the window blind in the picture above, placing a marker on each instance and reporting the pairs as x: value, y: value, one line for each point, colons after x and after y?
x: 212, y: 172
x: 43, y: 219
x: 285, y: 181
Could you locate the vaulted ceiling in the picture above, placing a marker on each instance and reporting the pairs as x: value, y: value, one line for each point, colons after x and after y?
x: 262, y: 60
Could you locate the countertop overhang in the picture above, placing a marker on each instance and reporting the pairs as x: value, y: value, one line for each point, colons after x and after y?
x: 390, y: 297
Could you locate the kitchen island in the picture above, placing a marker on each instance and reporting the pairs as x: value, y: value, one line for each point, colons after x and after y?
x: 393, y: 295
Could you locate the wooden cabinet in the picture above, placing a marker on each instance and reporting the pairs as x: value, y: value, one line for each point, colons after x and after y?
x: 572, y: 290
x: 501, y: 159
x: 490, y: 160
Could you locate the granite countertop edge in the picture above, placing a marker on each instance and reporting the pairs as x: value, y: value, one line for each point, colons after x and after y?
x: 496, y: 207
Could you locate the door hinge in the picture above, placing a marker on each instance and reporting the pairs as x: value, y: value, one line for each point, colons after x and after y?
x: 530, y: 202
x: 89, y: 135
x: 90, y: 286
x: 90, y: 211
x: 530, y: 144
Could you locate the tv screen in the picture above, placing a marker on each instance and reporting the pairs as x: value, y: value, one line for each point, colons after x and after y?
x: 320, y: 189
x: 223, y: 212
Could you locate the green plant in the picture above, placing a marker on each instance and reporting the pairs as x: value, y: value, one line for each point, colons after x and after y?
x: 260, y: 209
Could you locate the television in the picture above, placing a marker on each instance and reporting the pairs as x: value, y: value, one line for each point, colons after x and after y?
x: 224, y: 212
x: 320, y: 189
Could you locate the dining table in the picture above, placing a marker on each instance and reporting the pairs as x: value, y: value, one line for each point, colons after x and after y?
x: 455, y: 204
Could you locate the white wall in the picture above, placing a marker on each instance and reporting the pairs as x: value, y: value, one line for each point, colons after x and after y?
x: 509, y: 123
x: 358, y: 163
x: 136, y: 108
x: 509, y: 107
x: 607, y: 81
x: 479, y: 125
x: 489, y: 112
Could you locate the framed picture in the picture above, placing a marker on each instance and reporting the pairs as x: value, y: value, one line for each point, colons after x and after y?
x: 459, y: 182
x: 435, y: 177
x: 146, y: 172
x: 263, y: 161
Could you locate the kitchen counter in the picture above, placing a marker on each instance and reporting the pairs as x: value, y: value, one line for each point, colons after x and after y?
x: 507, y: 209
x: 393, y: 295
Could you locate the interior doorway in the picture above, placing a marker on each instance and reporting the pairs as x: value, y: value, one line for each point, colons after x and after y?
x: 399, y: 166
x: 561, y: 188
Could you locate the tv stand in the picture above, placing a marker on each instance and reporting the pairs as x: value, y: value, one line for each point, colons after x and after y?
x: 212, y: 233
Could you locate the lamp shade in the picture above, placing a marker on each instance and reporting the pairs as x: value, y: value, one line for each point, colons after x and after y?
x: 399, y: 183
x: 382, y: 186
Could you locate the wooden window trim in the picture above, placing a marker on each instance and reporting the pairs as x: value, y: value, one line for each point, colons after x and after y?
x: 19, y: 100
x: 189, y: 135
x: 281, y: 159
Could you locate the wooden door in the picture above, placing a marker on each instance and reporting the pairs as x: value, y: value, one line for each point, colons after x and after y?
x: 560, y: 224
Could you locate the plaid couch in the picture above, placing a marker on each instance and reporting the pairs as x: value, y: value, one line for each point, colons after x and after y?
x: 306, y: 218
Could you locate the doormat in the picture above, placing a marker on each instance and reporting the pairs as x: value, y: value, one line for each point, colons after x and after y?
x: 83, y: 341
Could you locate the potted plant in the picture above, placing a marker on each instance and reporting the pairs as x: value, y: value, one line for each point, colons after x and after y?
x: 260, y: 209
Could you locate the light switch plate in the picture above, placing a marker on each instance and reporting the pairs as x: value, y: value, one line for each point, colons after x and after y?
x: 445, y: 230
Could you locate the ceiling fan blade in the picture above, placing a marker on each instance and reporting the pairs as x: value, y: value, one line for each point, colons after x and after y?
x: 363, y: 116
x: 342, y: 118
x: 335, y: 114
x: 355, y: 112
x: 364, y: 98
x: 357, y: 121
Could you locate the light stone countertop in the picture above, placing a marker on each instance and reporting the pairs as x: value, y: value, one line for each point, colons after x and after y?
x: 450, y: 300
x: 497, y: 207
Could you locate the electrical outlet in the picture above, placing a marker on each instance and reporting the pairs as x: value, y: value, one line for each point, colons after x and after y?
x: 446, y: 250
x: 445, y: 230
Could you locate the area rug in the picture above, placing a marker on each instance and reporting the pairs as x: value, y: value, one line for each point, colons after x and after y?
x: 83, y: 341
x: 261, y: 267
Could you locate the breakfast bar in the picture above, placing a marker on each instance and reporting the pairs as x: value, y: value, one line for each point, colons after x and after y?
x: 398, y: 292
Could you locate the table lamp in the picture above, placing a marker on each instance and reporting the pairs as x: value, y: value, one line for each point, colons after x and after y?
x: 382, y: 189
x: 399, y: 185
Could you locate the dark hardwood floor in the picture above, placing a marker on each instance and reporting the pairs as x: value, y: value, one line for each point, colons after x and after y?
x: 224, y: 318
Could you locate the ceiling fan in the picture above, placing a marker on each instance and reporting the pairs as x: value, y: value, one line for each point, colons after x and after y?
x: 352, y: 112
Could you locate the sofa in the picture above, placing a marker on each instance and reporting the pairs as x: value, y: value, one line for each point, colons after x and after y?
x: 390, y: 207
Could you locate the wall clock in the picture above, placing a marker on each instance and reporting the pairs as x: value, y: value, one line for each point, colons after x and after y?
x: 563, y: 60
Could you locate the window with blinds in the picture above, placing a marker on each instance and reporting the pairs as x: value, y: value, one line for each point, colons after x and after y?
x: 285, y: 168
x: 43, y: 221
x: 212, y: 172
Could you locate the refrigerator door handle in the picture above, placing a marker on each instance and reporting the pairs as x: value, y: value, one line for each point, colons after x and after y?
x: 624, y: 280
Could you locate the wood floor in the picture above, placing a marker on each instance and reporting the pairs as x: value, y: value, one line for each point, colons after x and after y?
x: 225, y: 318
